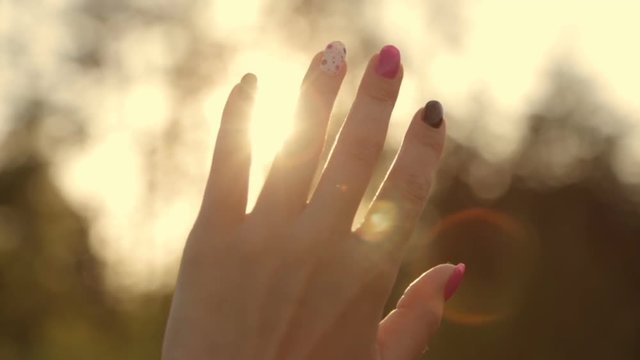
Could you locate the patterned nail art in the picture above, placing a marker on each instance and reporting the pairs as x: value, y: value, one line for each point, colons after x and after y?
x: 333, y: 57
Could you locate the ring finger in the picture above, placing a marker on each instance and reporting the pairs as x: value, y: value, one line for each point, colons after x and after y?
x: 287, y: 186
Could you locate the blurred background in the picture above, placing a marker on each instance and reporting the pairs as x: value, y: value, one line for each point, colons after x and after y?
x: 108, y: 116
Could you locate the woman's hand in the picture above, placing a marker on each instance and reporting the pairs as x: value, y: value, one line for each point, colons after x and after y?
x: 291, y: 280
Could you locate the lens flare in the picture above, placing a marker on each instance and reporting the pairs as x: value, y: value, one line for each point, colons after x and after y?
x: 499, y: 252
x: 279, y: 71
x: 379, y: 222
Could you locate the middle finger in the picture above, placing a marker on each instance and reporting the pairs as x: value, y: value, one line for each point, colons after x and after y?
x: 361, y: 139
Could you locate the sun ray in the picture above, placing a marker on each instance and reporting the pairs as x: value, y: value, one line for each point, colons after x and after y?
x: 279, y: 73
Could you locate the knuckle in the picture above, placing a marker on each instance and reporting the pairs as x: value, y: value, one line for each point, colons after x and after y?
x: 388, y: 269
x: 383, y: 94
x: 427, y: 139
x: 365, y: 149
x: 415, y: 189
x: 230, y: 129
x: 432, y: 317
x: 251, y: 244
x: 379, y: 278
x: 376, y: 261
x: 224, y: 150
x: 250, y: 250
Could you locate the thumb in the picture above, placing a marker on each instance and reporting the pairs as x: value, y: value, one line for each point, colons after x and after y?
x: 406, y: 331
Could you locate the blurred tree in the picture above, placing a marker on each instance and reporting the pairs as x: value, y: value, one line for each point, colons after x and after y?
x: 575, y: 280
x: 53, y: 302
x: 572, y: 291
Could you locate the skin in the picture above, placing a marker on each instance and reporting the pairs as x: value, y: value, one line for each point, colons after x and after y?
x: 292, y: 280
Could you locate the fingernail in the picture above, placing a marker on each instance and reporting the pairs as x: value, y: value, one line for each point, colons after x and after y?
x: 454, y: 281
x: 248, y: 84
x: 333, y: 57
x: 249, y: 80
x: 388, y: 61
x: 433, y: 114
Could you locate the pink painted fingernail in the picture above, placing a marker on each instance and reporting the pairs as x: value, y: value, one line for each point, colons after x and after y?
x: 333, y: 57
x: 388, y: 61
x: 454, y: 281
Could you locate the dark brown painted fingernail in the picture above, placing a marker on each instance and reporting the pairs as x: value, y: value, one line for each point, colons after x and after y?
x: 433, y: 114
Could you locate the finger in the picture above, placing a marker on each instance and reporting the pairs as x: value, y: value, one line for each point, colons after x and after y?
x: 225, y: 197
x: 359, y: 143
x: 406, y: 331
x: 287, y: 186
x: 396, y: 208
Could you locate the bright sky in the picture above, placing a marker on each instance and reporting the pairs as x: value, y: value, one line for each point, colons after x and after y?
x: 505, y: 51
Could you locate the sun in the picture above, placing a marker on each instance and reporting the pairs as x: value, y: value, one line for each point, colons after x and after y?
x: 279, y: 78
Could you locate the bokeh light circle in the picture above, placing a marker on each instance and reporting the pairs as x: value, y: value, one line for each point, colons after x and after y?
x: 499, y: 252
